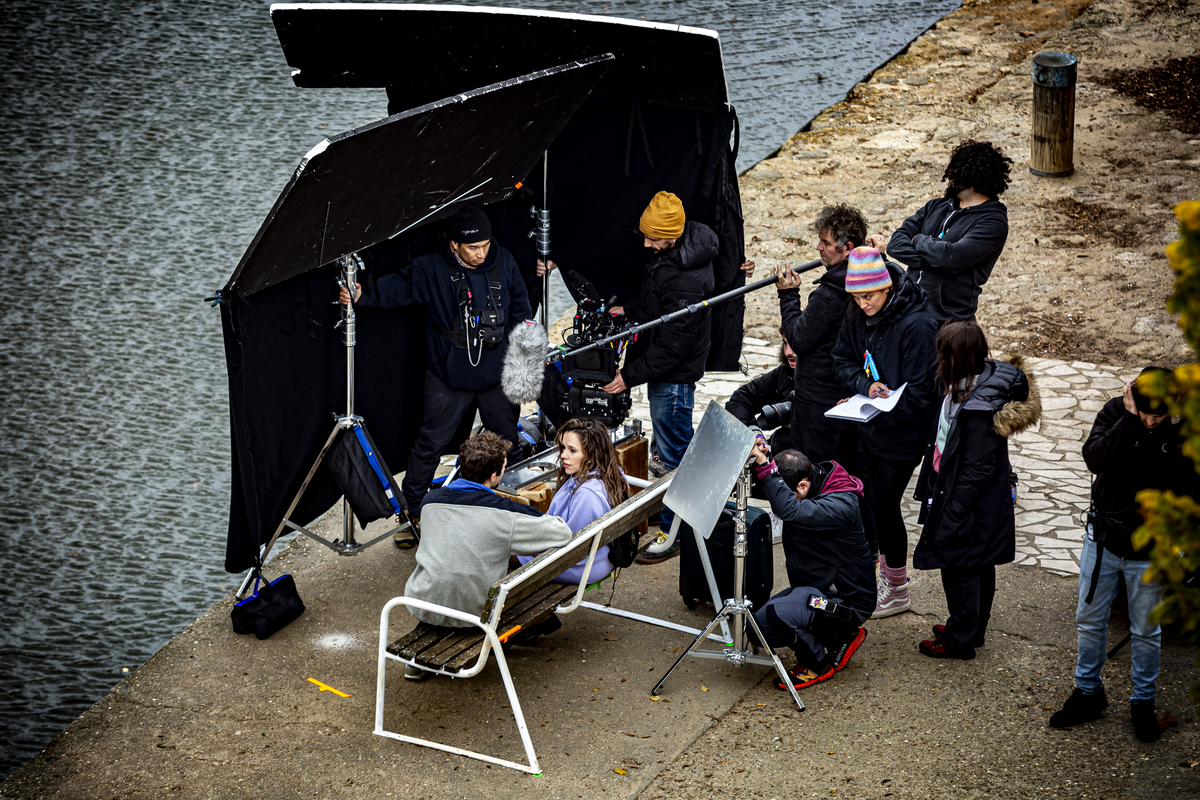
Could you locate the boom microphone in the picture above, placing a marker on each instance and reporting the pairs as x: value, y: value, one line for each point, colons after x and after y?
x: 524, y: 362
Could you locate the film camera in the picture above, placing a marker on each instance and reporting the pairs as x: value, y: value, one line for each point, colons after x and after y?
x: 573, y: 386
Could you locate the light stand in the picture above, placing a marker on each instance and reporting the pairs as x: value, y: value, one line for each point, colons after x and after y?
x: 343, y: 424
x: 738, y: 609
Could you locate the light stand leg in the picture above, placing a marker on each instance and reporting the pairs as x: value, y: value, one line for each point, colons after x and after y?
x: 738, y: 609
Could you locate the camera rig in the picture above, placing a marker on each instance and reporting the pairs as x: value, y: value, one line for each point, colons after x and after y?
x: 574, y: 384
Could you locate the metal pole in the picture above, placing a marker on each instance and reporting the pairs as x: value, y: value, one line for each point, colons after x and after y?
x: 742, y: 495
x: 543, y: 237
x: 349, y: 273
x: 559, y: 354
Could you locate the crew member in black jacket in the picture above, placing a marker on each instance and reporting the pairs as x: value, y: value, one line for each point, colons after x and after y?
x: 827, y: 557
x: 812, y: 330
x: 670, y: 358
x: 1135, y: 444
x: 473, y: 296
x: 888, y: 341
x: 952, y: 243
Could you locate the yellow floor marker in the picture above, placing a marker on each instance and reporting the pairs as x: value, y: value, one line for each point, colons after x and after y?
x: 325, y: 688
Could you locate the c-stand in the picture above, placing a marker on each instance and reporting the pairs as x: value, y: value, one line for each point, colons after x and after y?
x: 343, y: 424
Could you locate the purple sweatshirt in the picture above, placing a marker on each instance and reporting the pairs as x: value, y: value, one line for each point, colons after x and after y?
x: 578, y: 505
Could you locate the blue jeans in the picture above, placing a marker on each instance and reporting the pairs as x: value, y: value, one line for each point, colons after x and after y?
x: 1093, y: 621
x: 671, y: 416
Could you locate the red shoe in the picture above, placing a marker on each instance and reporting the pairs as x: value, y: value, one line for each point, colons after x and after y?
x: 935, y: 649
x: 842, y: 656
x: 940, y: 629
x: 802, y: 678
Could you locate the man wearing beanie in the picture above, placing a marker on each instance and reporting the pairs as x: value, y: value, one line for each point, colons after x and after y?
x: 670, y: 358
x: 473, y: 296
x: 951, y: 244
x: 1134, y: 445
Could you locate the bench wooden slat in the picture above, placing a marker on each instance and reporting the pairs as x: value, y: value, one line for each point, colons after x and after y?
x: 530, y: 615
x: 467, y: 646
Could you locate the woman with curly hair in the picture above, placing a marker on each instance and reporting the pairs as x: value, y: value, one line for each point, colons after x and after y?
x: 951, y: 245
x: 589, y: 483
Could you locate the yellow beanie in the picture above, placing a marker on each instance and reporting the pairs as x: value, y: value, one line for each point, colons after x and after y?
x: 663, y: 218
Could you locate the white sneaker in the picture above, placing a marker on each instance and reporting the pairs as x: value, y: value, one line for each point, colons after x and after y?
x: 890, y: 599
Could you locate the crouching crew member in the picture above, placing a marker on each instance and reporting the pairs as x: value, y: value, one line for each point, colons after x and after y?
x: 1135, y: 444
x: 468, y: 535
x: 473, y: 296
x: 824, y: 546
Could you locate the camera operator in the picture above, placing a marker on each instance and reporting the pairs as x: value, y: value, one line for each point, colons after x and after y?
x: 670, y: 358
x: 824, y: 545
x: 770, y: 389
x: 473, y: 296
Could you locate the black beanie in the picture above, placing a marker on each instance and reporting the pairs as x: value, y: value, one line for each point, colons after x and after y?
x: 1147, y: 403
x: 469, y: 226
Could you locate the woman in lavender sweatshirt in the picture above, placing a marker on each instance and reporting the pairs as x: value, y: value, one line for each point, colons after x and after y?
x: 589, y: 484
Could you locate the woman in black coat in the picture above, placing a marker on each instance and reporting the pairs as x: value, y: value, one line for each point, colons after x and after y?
x: 888, y: 320
x: 966, y: 487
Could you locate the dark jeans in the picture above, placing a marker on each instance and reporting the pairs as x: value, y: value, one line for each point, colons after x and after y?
x: 969, y: 594
x: 889, y: 479
x: 823, y: 438
x: 444, y: 409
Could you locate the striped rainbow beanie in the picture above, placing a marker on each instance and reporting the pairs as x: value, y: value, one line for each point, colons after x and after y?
x: 866, y: 272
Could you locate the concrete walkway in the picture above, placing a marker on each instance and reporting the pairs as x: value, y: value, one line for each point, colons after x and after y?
x: 216, y: 715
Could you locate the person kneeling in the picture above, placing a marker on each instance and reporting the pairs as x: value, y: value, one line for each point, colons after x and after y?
x: 468, y: 534
x: 824, y: 545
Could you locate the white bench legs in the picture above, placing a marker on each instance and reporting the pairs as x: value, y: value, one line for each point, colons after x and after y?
x: 492, y: 644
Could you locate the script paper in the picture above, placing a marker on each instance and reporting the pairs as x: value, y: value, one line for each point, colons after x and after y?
x: 861, y: 408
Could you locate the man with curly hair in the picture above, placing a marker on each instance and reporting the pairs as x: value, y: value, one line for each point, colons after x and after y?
x: 952, y: 243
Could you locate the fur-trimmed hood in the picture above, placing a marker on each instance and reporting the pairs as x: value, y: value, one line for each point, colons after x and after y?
x: 1017, y: 415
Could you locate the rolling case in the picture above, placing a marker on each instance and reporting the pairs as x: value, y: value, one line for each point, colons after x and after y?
x: 759, y: 576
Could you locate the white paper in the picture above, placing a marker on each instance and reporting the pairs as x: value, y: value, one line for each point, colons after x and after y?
x: 861, y: 408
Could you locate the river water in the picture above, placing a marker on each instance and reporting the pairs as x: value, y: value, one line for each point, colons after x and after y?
x: 144, y: 143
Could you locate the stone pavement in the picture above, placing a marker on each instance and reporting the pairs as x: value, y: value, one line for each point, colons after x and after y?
x: 1054, y: 483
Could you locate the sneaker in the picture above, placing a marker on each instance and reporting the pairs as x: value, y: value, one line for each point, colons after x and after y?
x: 802, y: 678
x: 1079, y: 708
x: 657, y: 467
x: 528, y: 636
x: 414, y: 673
x: 940, y: 629
x: 935, y: 649
x: 1145, y: 721
x: 404, y: 538
x: 890, y: 599
x: 841, y: 656
x: 646, y: 557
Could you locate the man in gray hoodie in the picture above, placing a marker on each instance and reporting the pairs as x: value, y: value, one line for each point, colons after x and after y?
x: 952, y: 243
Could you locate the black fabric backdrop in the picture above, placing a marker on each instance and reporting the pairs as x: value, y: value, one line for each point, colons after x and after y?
x: 286, y: 360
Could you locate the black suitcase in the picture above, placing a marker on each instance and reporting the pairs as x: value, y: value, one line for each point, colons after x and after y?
x: 759, y: 576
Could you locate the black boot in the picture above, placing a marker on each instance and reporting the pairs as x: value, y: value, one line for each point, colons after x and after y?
x: 1079, y: 708
x: 1145, y: 721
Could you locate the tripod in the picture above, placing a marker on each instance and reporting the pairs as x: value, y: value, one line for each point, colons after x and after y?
x: 344, y: 424
x: 737, y: 609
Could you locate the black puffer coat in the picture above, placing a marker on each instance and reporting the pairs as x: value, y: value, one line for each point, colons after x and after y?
x: 967, y: 505
x: 676, y: 351
x: 812, y: 331
x: 901, y: 340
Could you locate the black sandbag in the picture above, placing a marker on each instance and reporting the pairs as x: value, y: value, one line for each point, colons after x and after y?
x: 361, y: 481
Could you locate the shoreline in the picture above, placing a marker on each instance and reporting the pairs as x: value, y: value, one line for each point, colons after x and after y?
x: 181, y: 725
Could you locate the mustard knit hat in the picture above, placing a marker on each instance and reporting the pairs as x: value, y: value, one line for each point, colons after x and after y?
x: 663, y: 218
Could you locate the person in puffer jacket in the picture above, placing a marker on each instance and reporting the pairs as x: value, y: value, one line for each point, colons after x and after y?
x: 965, y: 487
x: 951, y: 245
x: 827, y: 560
